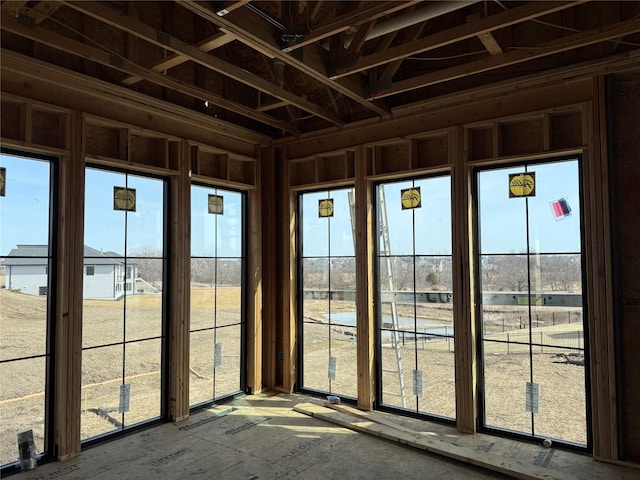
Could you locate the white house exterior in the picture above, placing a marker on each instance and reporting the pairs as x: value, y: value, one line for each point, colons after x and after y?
x: 26, y: 271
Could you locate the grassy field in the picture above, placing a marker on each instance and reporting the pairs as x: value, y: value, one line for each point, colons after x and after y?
x: 139, y: 363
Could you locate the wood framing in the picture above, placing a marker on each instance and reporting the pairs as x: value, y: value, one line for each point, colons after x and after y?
x: 68, y: 341
x: 272, y: 100
x: 365, y: 245
x: 464, y: 316
x: 179, y: 295
x: 254, y: 287
x: 599, y: 291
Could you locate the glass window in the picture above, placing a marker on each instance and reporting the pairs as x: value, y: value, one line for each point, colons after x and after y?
x: 531, y: 309
x: 123, y: 319
x: 415, y: 295
x: 327, y: 305
x: 217, y: 294
x: 26, y: 308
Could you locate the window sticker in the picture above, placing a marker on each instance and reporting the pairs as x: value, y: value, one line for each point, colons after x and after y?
x: 216, y: 204
x: 124, y: 199
x: 332, y: 368
x: 522, y: 185
x: 561, y: 209
x: 325, y: 208
x: 411, y: 198
x: 532, y: 397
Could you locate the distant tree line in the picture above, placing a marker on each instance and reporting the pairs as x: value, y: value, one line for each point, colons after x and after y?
x: 497, y: 273
x: 208, y: 271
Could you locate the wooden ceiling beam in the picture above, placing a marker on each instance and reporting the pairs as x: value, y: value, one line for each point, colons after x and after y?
x: 391, y: 68
x: 350, y: 21
x: 360, y: 38
x: 272, y: 70
x: 259, y: 34
x: 514, y: 57
x: 206, y: 45
x: 77, y: 91
x: 228, y: 7
x: 472, y: 29
x: 60, y: 42
x: 119, y: 20
x: 272, y: 106
x: 487, y: 38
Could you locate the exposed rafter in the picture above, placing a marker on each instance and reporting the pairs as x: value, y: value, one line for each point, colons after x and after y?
x: 283, y: 68
x: 514, y: 57
x: 259, y: 34
x: 472, y: 29
x: 105, y: 58
x: 348, y: 22
x: 132, y: 26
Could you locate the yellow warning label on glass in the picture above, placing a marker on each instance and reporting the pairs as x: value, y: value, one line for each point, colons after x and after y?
x: 216, y: 204
x: 411, y: 198
x: 3, y: 180
x: 124, y: 199
x: 522, y: 185
x: 325, y: 207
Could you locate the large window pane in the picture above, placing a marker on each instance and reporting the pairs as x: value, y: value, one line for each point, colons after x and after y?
x: 415, y: 294
x: 327, y: 308
x: 217, y: 291
x: 531, y: 316
x: 123, y: 300
x: 26, y: 295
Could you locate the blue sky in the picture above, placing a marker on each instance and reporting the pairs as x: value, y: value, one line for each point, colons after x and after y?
x: 24, y: 214
x: 502, y: 219
x: 211, y: 234
x: 24, y: 210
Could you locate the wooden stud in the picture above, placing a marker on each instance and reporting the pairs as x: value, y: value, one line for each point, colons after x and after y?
x: 25, y: 122
x: 288, y: 298
x: 464, y: 315
x: 68, y: 337
x: 254, y: 311
x: 365, y: 241
x: 599, y: 284
x: 179, y: 293
x: 270, y: 293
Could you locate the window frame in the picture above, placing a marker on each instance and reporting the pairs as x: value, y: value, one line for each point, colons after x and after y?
x: 48, y: 453
x: 194, y: 407
x: 163, y: 416
x: 477, y: 313
x: 378, y: 402
x: 299, y: 288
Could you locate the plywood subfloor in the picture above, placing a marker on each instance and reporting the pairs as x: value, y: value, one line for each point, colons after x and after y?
x: 262, y: 437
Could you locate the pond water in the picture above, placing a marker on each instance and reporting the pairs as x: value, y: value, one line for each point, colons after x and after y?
x: 423, y: 324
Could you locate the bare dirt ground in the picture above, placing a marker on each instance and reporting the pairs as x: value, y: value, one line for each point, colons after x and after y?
x: 22, y: 334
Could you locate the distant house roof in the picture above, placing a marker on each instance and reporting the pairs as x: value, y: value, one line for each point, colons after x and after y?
x: 37, y: 255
